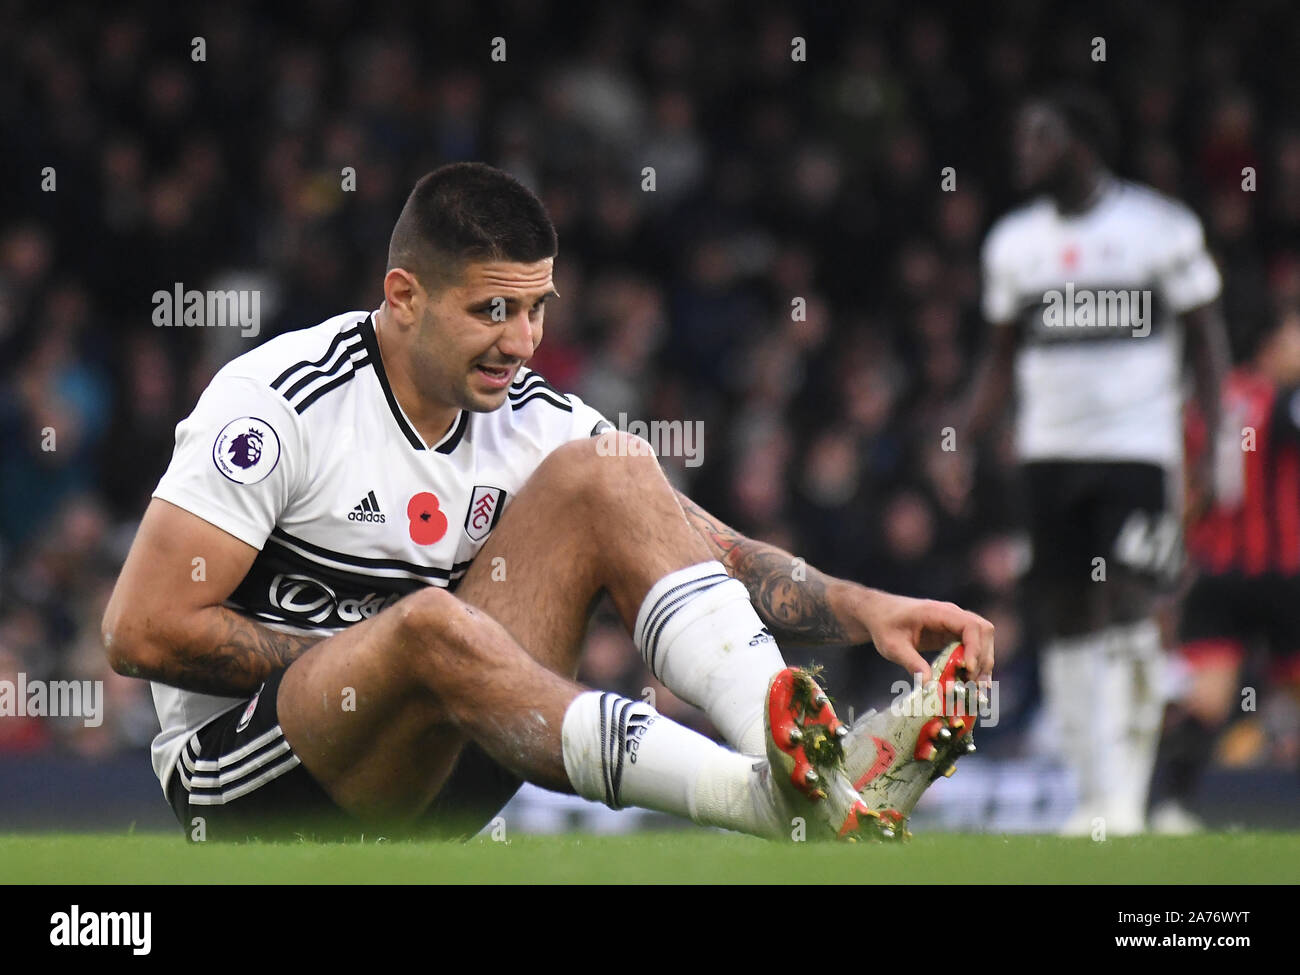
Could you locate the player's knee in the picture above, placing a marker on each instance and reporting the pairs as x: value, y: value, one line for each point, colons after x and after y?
x: 443, y: 644
x: 603, y: 466
x: 428, y: 621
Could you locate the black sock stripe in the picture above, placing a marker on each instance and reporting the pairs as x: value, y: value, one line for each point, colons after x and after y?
x: 604, y: 752
x: 652, y: 643
x: 621, y: 744
x: 616, y: 709
x: 666, y: 599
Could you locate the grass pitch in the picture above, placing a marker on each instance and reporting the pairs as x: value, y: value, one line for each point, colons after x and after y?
x: 651, y: 858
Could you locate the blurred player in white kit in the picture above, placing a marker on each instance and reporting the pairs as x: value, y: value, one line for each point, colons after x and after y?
x: 1090, y: 288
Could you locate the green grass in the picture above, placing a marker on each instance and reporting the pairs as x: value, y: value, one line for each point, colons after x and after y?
x: 687, y: 857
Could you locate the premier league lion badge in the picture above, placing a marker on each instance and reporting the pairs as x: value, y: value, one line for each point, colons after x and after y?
x: 246, y: 450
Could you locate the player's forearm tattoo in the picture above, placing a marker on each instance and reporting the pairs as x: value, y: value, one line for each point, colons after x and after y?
x: 229, y: 656
x: 795, y: 610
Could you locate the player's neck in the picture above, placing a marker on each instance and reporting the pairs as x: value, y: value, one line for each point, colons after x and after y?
x: 430, y: 420
x: 1081, y: 193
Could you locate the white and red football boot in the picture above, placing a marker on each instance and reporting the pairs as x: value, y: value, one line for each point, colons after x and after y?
x: 806, y: 754
x: 892, y: 756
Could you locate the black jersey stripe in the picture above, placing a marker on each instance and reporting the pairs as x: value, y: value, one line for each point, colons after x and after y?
x: 338, y: 340
x: 524, y: 376
x: 558, y: 404
x: 372, y: 346
x: 279, y: 556
x: 1031, y: 316
x: 332, y: 384
x: 292, y: 586
x: 286, y: 586
x: 429, y: 572
x: 310, y: 377
x: 532, y: 382
x: 266, y: 616
x: 453, y: 440
x: 357, y: 572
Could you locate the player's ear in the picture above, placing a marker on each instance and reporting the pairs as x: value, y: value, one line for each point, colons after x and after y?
x: 402, y: 292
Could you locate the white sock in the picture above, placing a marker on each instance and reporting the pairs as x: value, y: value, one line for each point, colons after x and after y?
x: 624, y: 753
x: 1134, y: 663
x: 700, y: 635
x: 1076, y: 697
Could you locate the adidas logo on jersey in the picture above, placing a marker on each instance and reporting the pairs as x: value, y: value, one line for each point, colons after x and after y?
x: 367, y: 510
x: 762, y: 636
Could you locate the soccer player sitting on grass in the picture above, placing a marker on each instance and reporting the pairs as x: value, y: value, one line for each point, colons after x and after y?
x: 402, y: 530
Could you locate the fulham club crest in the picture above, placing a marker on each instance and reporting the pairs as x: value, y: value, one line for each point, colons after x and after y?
x: 485, y: 506
x: 248, y: 711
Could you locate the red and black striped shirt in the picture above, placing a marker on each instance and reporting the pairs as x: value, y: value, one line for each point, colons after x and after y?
x: 1259, y: 532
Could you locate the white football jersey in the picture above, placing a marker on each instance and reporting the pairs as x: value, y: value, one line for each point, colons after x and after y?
x: 1096, y: 295
x: 300, y: 449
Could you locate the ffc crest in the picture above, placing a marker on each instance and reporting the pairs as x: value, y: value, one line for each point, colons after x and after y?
x: 248, y: 711
x: 485, y: 506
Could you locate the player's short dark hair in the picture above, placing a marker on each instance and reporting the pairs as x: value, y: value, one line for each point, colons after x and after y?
x: 1088, y: 118
x: 465, y: 212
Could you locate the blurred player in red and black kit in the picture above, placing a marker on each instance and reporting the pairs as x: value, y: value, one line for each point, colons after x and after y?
x: 1246, y: 551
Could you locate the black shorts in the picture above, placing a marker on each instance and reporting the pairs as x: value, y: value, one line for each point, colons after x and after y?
x: 238, y: 779
x: 1118, y: 511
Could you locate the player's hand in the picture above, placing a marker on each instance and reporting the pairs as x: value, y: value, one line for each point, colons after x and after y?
x: 907, y: 631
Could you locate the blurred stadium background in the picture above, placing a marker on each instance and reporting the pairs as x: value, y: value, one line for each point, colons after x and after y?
x: 775, y: 179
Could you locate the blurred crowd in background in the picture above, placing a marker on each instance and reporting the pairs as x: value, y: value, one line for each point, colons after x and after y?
x: 775, y: 179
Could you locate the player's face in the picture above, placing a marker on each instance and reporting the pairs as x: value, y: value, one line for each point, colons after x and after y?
x: 1283, y: 350
x: 477, y: 333
x: 1041, y: 143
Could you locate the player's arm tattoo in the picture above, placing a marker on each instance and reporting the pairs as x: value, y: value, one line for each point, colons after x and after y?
x: 798, y: 610
x: 226, y: 654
